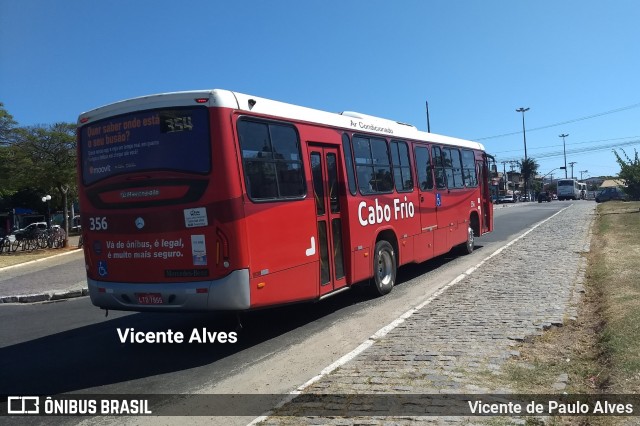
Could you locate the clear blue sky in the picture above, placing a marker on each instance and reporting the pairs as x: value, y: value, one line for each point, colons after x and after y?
x: 475, y: 62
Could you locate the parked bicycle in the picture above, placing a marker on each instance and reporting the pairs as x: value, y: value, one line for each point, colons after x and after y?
x: 53, y: 237
x: 27, y: 240
x: 33, y: 237
x: 5, y: 244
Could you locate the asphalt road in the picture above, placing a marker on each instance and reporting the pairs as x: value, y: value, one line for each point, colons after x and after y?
x: 69, y: 346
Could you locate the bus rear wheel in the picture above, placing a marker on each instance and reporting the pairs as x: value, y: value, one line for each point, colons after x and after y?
x: 384, y: 268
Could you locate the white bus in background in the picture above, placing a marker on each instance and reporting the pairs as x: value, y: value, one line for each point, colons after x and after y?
x: 568, y: 189
x: 583, y: 190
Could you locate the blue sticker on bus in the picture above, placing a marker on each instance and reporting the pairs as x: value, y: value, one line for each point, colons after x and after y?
x: 102, y: 268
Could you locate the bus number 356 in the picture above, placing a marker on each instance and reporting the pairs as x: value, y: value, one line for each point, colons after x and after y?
x: 98, y: 223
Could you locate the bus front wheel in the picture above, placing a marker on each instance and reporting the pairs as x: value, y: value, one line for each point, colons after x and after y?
x: 469, y: 245
x: 384, y: 268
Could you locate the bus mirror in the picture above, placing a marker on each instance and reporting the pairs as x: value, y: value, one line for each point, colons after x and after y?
x: 494, y: 168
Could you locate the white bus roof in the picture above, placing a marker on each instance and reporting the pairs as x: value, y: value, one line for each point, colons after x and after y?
x: 242, y: 102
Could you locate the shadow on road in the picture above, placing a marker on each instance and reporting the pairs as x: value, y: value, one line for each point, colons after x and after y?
x: 92, y: 356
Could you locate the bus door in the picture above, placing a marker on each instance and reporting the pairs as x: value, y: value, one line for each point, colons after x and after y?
x: 445, y: 204
x: 326, y: 185
x: 428, y: 212
x: 482, y: 169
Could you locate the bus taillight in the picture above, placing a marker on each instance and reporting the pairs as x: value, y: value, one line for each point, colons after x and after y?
x: 222, y: 249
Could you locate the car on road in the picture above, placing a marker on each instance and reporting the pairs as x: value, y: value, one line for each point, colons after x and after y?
x: 544, y: 196
x: 612, y: 193
x: 506, y: 199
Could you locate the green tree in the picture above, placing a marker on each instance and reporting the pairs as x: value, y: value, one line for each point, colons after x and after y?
x: 44, y: 157
x: 51, y: 150
x: 7, y: 135
x: 528, y: 169
x: 630, y: 173
x: 7, y: 126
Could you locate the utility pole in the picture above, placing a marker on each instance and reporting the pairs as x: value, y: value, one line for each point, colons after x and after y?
x: 572, y: 163
x: 524, y: 133
x: 428, y: 121
x: 564, y: 149
x: 504, y: 175
x: 524, y: 136
x: 583, y: 171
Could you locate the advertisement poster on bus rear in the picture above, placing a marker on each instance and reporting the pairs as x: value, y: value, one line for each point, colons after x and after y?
x: 170, y: 139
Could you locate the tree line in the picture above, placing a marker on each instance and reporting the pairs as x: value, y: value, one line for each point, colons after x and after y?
x: 35, y: 161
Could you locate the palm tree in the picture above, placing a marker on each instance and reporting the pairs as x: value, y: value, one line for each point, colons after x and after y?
x: 528, y: 168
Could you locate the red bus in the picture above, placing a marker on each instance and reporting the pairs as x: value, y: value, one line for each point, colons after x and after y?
x: 217, y: 200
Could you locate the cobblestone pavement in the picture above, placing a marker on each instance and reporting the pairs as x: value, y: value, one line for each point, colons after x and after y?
x: 466, y: 332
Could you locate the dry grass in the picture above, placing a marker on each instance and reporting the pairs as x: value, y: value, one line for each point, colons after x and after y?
x: 599, y: 352
x: 619, y: 281
x: 10, y: 259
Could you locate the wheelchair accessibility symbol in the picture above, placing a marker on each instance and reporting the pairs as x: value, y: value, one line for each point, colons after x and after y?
x: 102, y: 268
x: 438, y: 200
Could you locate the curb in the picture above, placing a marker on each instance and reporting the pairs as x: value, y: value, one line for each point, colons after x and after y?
x: 45, y: 297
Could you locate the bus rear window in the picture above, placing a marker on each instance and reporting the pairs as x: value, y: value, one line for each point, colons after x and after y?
x: 174, y: 139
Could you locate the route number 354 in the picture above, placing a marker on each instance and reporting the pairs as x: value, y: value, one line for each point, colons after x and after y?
x: 98, y: 223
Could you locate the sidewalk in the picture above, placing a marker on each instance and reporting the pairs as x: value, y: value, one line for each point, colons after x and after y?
x: 457, y: 341
x: 13, y: 289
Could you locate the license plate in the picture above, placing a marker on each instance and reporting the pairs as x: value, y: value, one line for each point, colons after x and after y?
x: 149, y: 298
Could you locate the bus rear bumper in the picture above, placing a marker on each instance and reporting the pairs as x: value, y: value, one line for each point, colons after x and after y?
x: 230, y: 293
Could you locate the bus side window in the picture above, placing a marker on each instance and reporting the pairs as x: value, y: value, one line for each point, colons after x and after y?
x: 401, y: 166
x: 373, y: 166
x: 452, y: 167
x: 348, y: 161
x: 272, y: 160
x: 438, y: 165
x: 423, y: 166
x: 469, y: 168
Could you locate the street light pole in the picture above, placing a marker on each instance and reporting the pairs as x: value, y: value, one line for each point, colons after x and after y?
x: 46, y: 200
x: 583, y: 171
x: 564, y: 149
x: 428, y: 121
x: 550, y: 173
x: 524, y: 137
x: 524, y: 133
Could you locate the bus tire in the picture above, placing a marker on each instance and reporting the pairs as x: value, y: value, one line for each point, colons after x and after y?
x: 469, y: 245
x: 384, y: 268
